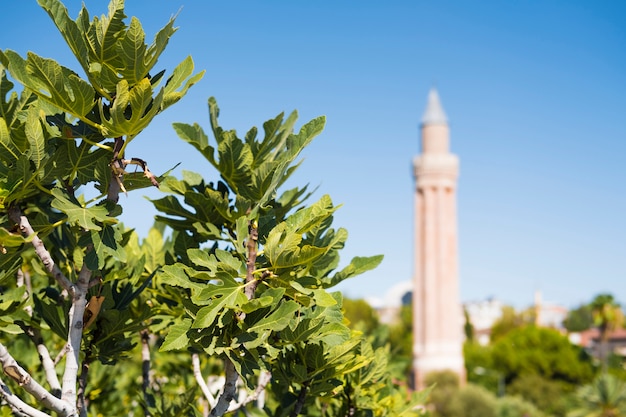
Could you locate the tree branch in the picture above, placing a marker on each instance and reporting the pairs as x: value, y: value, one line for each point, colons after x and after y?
x: 16, y: 215
x: 230, y: 385
x: 117, y: 171
x: 81, y: 402
x: 18, y: 406
x: 197, y: 373
x: 46, y: 360
x: 230, y: 389
x: 60, y: 355
x: 23, y: 378
x: 75, y: 335
x: 251, y: 248
x: 34, y: 334
x: 145, y: 366
x: 264, y: 379
x: 144, y: 166
x: 297, y: 409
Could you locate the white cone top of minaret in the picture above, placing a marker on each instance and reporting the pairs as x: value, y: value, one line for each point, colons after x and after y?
x: 434, y: 114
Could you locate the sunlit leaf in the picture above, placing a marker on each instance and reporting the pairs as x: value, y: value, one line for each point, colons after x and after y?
x: 53, y: 83
x: 278, y: 320
x: 85, y: 217
x: 228, y: 294
x: 357, y: 266
x: 176, y: 337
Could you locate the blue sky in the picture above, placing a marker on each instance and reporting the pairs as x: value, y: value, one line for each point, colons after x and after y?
x: 535, y: 92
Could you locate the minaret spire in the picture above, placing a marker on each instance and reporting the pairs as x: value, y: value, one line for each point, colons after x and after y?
x: 434, y: 114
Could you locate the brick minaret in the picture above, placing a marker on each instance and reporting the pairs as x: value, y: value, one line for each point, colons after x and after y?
x: 437, y: 318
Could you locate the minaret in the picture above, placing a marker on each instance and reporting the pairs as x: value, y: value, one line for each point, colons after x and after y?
x: 437, y: 313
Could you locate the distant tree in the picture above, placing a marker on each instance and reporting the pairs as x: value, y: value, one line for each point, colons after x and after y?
x: 468, y: 327
x: 607, y: 317
x: 401, y: 340
x: 361, y: 315
x: 445, y: 385
x: 473, y: 401
x: 545, y: 394
x: 512, y: 406
x: 579, y: 319
x: 479, y: 366
x: 544, y: 352
x: 510, y: 320
x: 604, y: 397
x: 397, y: 337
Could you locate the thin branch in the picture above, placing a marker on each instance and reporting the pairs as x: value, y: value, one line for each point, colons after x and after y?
x: 46, y: 360
x: 264, y: 378
x: 75, y: 335
x: 230, y: 389
x: 81, y: 401
x: 16, y: 215
x: 230, y: 385
x: 145, y: 367
x: 144, y: 166
x: 23, y: 378
x: 118, y: 166
x: 297, y: 409
x: 117, y: 147
x: 60, y: 355
x: 23, y: 279
x: 117, y: 171
x: 197, y: 373
x: 251, y: 248
x: 18, y: 406
x: 115, y: 185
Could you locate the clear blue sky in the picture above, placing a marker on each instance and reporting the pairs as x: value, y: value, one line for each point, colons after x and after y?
x: 535, y: 92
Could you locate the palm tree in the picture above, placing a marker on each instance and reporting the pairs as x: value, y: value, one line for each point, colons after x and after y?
x: 604, y: 397
x: 607, y: 316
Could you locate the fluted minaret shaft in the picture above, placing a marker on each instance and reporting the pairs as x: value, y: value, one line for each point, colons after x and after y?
x: 437, y: 316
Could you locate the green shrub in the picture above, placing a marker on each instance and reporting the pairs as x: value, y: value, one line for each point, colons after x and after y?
x: 473, y: 401
x: 514, y: 406
x: 547, y: 395
x: 445, y: 386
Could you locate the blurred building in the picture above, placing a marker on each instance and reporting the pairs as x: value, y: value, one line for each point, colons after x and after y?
x: 388, y: 307
x: 590, y: 340
x: 549, y: 314
x: 482, y: 316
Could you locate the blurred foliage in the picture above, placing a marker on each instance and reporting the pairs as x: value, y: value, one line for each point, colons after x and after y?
x: 544, y: 352
x: 472, y: 401
x: 579, y: 319
x: 546, y: 394
x: 604, y: 397
x: 510, y: 320
x: 401, y: 341
x: 444, y: 386
x: 513, y: 406
x: 361, y: 315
